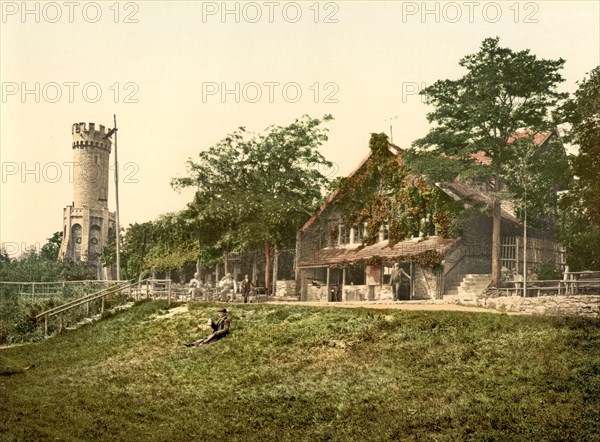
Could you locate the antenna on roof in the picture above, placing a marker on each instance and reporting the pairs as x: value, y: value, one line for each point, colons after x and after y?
x: 391, y: 132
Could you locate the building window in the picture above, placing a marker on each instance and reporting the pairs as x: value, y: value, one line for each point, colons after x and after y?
x: 359, y: 233
x: 384, y: 232
x: 344, y: 237
x: 333, y: 237
x: 356, y: 275
x: 385, y: 275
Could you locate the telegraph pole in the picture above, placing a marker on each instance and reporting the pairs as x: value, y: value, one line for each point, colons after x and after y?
x: 118, y: 235
x: 118, y: 228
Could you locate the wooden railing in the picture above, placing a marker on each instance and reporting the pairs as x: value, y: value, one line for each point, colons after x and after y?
x: 573, y: 283
x: 84, y: 300
x: 53, y: 289
x: 144, y: 289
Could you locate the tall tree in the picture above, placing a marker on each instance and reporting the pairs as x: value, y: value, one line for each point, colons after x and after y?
x: 503, y: 91
x: 257, y: 189
x: 166, y: 244
x: 52, y: 247
x: 580, y: 215
x: 583, y: 113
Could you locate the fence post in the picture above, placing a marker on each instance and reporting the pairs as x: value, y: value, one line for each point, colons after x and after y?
x: 45, y: 326
x: 32, y: 291
x: 169, y: 290
x: 102, y: 307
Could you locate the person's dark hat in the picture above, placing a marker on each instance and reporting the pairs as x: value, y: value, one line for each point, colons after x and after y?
x: 223, y: 310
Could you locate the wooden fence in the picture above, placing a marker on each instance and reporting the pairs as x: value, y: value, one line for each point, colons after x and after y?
x: 145, y: 289
x: 573, y: 283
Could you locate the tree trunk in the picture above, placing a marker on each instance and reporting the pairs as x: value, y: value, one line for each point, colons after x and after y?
x: 225, y: 266
x: 267, y: 267
x: 255, y: 269
x: 275, y: 265
x: 496, y: 248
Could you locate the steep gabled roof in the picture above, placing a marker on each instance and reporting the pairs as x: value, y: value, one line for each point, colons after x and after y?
x: 456, y: 189
x: 461, y: 191
x: 539, y: 139
x: 392, y: 148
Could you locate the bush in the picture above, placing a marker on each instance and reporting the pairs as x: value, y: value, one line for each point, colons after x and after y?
x: 549, y: 270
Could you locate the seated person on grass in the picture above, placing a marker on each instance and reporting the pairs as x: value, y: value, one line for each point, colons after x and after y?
x: 220, y: 330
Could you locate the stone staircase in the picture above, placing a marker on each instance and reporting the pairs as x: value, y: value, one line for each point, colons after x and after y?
x: 468, y: 288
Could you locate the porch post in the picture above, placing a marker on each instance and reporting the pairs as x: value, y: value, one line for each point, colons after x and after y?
x: 343, y: 281
x: 412, y: 280
x: 328, y: 285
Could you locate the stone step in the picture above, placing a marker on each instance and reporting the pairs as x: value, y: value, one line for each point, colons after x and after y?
x: 466, y: 288
x: 468, y: 278
x: 477, y: 277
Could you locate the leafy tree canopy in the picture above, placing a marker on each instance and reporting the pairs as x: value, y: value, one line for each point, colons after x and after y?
x: 254, y: 188
x: 583, y: 113
x: 43, y: 265
x: 502, y: 92
x: 579, y: 227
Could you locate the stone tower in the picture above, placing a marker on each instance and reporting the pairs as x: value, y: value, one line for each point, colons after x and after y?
x: 87, y: 223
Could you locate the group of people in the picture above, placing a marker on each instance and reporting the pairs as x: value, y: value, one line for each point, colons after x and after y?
x: 226, y: 288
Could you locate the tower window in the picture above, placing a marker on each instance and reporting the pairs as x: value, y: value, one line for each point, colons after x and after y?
x: 95, y: 159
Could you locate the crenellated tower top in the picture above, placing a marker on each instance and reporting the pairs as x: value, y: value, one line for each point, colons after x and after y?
x: 86, y: 135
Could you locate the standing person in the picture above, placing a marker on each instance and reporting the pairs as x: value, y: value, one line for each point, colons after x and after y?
x: 396, y: 280
x: 220, y: 330
x: 246, y: 287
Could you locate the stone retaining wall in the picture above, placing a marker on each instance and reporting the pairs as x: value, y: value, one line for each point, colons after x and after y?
x: 581, y: 305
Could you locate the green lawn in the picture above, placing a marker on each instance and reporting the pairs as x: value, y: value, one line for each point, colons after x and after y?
x: 300, y: 373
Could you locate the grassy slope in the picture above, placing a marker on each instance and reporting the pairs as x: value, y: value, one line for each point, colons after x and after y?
x: 303, y: 373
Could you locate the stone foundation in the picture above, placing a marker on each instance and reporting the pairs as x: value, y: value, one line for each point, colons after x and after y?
x: 580, y: 305
x: 316, y: 293
x: 285, y: 289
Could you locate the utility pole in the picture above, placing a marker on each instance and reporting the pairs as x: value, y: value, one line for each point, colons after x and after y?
x: 118, y: 231
x: 118, y: 228
x: 525, y: 250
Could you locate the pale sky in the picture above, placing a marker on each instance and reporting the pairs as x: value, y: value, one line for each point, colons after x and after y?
x: 163, y: 65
